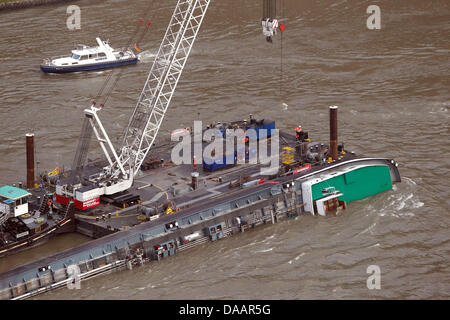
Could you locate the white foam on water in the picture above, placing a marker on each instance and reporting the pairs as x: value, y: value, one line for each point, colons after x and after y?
x: 409, y: 181
x: 146, y: 56
x: 439, y: 108
x: 268, y: 238
x: 418, y: 204
x: 252, y: 243
x: 244, y: 246
x: 299, y: 256
x: 296, y: 258
x: 400, y: 204
x: 406, y: 214
x: 368, y: 229
x: 265, y: 250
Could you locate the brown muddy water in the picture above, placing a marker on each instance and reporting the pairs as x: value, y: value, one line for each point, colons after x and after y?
x: 392, y: 89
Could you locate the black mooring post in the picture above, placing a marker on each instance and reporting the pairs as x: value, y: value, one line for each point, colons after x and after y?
x: 333, y: 132
x: 30, y: 160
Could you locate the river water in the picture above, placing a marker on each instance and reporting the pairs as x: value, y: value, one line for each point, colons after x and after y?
x: 392, y: 89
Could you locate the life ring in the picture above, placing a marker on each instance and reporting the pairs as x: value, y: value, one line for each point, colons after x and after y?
x: 49, y: 202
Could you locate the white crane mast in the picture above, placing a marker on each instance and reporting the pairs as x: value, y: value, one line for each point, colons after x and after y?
x: 161, y: 83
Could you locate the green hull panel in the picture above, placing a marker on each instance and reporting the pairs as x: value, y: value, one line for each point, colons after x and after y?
x: 357, y: 184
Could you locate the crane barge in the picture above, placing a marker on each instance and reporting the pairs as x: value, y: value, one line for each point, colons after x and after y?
x: 168, y: 208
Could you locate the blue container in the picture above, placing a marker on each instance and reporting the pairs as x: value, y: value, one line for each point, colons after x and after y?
x: 262, y: 134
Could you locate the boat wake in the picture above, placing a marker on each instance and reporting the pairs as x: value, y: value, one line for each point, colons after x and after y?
x: 401, y: 203
x: 264, y: 250
x: 147, y: 56
x: 296, y: 258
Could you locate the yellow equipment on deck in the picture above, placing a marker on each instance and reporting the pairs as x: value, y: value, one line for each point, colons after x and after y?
x: 287, y: 156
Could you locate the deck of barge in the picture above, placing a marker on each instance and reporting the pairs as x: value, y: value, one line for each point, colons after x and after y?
x: 171, y: 183
x: 167, y: 183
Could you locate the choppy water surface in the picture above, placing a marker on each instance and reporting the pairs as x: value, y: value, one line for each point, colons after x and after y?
x: 392, y: 89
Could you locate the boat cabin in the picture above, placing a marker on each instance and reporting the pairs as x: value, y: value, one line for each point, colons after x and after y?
x: 85, y: 54
x: 76, y: 55
x: 14, y: 200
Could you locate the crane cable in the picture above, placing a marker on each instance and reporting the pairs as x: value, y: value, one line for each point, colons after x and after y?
x: 281, y: 26
x: 105, y: 83
x: 119, y: 73
x: 281, y: 67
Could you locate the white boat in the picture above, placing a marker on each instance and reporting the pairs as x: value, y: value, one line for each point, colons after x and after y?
x: 84, y: 58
